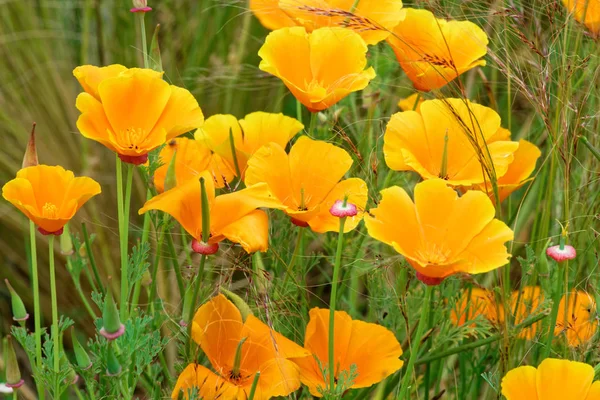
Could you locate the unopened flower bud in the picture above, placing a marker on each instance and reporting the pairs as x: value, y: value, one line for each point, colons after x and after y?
x: 112, y: 328
x: 83, y: 360
x: 13, y: 373
x: 342, y: 209
x: 31, y: 158
x: 171, y: 177
x: 66, y: 243
x: 112, y: 363
x: 238, y: 302
x: 204, y: 248
x: 18, y: 307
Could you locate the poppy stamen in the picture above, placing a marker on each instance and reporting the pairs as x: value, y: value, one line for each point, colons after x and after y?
x: 49, y: 210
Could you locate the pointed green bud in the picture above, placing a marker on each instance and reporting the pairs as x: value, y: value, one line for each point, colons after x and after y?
x: 66, y: 243
x: 13, y: 373
x: 187, y: 304
x: 31, y: 158
x: 239, y: 303
x: 83, y: 360
x: 171, y: 177
x: 112, y: 327
x: 18, y: 307
x: 155, y: 57
x: 237, y: 360
x: 112, y: 363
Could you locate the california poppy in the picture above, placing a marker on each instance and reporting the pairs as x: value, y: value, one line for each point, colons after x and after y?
x: 237, y: 349
x: 234, y: 216
x: 472, y: 303
x: 371, y: 19
x: 586, y: 12
x: 525, y: 304
x: 452, y: 139
x: 325, y: 66
x: 371, y: 348
x: 249, y: 134
x: 49, y: 195
x: 270, y: 15
x: 411, y: 103
x: 441, y: 234
x: 433, y: 51
x: 133, y: 111
x: 581, y: 324
x: 553, y: 379
x: 307, y: 181
x: 192, y: 158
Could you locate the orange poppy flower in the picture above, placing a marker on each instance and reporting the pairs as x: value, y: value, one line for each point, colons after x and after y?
x: 49, y: 195
x: 270, y: 15
x: 441, y: 234
x: 237, y: 350
x: 586, y: 12
x: 529, y: 301
x: 371, y: 348
x: 448, y: 139
x: 306, y: 184
x: 325, y: 66
x: 191, y: 159
x: 133, y: 111
x: 408, y: 103
x: 553, y: 380
x: 249, y: 135
x: 433, y: 51
x: 581, y: 324
x: 233, y: 216
x: 373, y: 20
x: 472, y: 303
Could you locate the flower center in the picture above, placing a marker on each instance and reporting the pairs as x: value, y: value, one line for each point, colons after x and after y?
x: 433, y: 254
x: 49, y: 210
x: 131, y: 138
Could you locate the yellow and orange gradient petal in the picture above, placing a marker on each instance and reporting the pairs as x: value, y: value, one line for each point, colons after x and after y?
x: 49, y: 195
x: 586, y: 12
x: 325, y: 66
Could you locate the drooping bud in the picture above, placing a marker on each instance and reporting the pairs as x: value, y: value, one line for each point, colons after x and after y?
x: 238, y: 302
x: 31, y: 158
x: 18, y: 307
x: 140, y: 6
x: 171, y: 178
x: 204, y: 248
x: 83, y: 360
x: 112, y: 363
x: 13, y: 373
x: 342, y: 209
x: 112, y: 328
x: 66, y: 243
x: 429, y: 280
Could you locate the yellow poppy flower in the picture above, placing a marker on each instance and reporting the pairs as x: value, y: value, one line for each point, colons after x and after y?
x: 233, y: 216
x: 581, y: 324
x: 371, y: 348
x: 224, y: 336
x: 191, y: 159
x: 586, y: 12
x: 249, y: 135
x: 324, y: 66
x: 472, y: 303
x: 373, y: 20
x: 553, y: 380
x: 408, y: 103
x: 133, y: 111
x: 270, y: 15
x: 529, y: 301
x: 307, y: 182
x: 441, y: 234
x: 49, y: 195
x: 433, y: 51
x: 448, y: 139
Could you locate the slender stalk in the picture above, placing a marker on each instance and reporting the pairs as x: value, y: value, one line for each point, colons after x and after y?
x: 290, y: 266
x: 254, y: 385
x: 553, y: 314
x: 123, y: 215
x: 92, y: 260
x: 313, y: 124
x: 416, y: 343
x: 298, y: 111
x: 55, y: 333
x: 197, y: 283
x: 141, y: 16
x: 36, y: 307
x: 332, y: 302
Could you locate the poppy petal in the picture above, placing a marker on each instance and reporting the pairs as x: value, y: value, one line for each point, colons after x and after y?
x: 180, y: 115
x: 487, y: 250
x: 520, y: 384
x: 208, y: 384
x: 250, y: 231
x: 563, y: 379
x: 90, y: 76
x: 92, y: 123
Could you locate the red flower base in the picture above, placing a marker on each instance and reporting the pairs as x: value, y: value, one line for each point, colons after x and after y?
x: 46, y: 233
x: 299, y: 223
x: 428, y: 280
x: 141, y: 9
x: 135, y: 160
x: 204, y: 248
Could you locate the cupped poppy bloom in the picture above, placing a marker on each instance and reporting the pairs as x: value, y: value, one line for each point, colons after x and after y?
x: 581, y: 323
x: 133, y: 111
x: 49, y: 195
x: 373, y: 20
x: 524, y: 304
x: 237, y: 349
x: 249, y: 134
x: 325, y: 66
x: 192, y: 158
x: 433, y: 52
x: 452, y: 139
x: 371, y: 350
x: 586, y: 12
x: 411, y: 103
x: 553, y: 379
x: 307, y: 182
x: 472, y: 303
x: 441, y: 234
x: 234, y: 216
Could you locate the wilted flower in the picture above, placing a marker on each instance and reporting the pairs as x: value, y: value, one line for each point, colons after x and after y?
x: 552, y: 379
x: 324, y: 67
x: 307, y: 182
x: 133, y: 111
x: 581, y: 324
x: 237, y: 349
x: 586, y: 12
x: 441, y: 234
x: 49, y: 196
x: 370, y: 349
x: 433, y: 51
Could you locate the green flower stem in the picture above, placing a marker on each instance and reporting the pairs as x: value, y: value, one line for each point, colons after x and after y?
x: 298, y: 111
x: 416, y: 343
x: 123, y: 214
x: 254, y: 385
x: 92, y: 260
x: 145, y: 236
x: 55, y: 333
x: 313, y: 124
x: 141, y: 16
x: 332, y: 303
x: 36, y: 307
x: 197, y: 283
x: 175, y: 263
x: 556, y: 291
x: 292, y: 263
